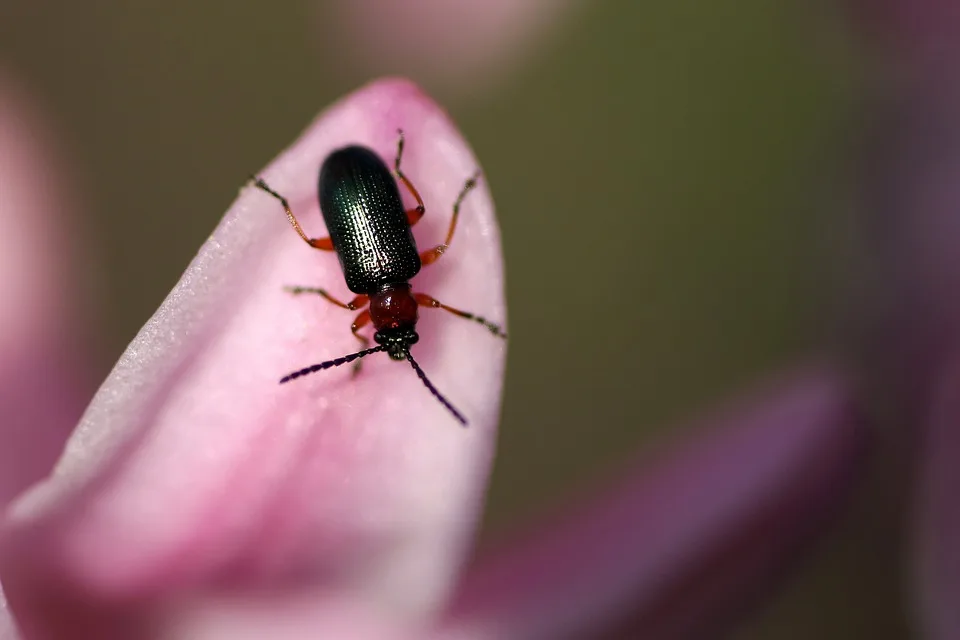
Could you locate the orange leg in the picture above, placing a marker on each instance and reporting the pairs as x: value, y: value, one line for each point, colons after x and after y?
x: 324, y: 244
x: 413, y: 215
x: 432, y: 255
x: 428, y: 301
x: 360, y: 322
x: 353, y: 305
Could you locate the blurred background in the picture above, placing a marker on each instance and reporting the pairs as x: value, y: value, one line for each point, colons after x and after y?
x: 666, y: 181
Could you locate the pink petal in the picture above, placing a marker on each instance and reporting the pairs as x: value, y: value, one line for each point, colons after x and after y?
x: 305, y: 617
x: 463, y: 44
x: 42, y: 386
x: 679, y: 547
x: 193, y: 469
x: 8, y: 630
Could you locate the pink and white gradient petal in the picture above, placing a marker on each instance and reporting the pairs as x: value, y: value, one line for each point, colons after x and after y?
x: 465, y: 44
x: 42, y: 382
x: 193, y: 470
x: 299, y: 617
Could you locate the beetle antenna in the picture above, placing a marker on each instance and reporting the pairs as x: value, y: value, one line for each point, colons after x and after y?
x: 433, y: 390
x: 336, y: 362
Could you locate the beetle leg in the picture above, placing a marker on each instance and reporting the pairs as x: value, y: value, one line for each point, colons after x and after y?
x: 360, y: 322
x: 353, y: 305
x: 432, y: 255
x: 428, y: 301
x: 324, y: 244
x: 413, y: 215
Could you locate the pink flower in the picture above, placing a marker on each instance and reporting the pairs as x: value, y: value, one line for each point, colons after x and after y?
x: 199, y: 499
x: 463, y: 47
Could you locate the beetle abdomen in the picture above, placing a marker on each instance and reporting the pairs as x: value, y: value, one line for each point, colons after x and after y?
x: 366, y: 220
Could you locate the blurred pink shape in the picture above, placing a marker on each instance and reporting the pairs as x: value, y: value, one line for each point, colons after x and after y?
x: 680, y: 545
x: 462, y: 44
x: 939, y: 533
x: 910, y: 226
x: 200, y: 499
x: 42, y: 387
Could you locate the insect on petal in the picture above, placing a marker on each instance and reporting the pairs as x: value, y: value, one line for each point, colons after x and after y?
x: 194, y: 469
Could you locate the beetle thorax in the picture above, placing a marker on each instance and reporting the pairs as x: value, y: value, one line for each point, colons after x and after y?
x: 394, y: 313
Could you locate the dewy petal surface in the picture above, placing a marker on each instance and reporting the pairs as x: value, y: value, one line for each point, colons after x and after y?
x: 41, y: 323
x: 678, y: 548
x: 194, y: 468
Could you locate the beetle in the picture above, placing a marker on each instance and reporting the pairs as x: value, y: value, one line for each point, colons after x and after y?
x: 370, y: 231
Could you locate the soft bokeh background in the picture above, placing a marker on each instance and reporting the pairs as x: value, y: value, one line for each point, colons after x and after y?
x: 666, y: 178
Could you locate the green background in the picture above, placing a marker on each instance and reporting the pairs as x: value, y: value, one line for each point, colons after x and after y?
x: 663, y: 178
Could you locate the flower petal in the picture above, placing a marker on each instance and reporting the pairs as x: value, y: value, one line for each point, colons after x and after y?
x: 304, y: 617
x: 193, y: 468
x: 464, y: 44
x: 42, y: 386
x: 680, y: 544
